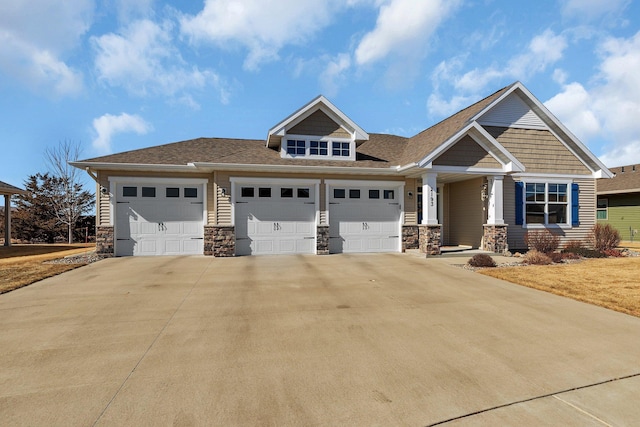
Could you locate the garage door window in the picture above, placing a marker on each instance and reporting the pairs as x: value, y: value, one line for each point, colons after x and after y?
x: 374, y: 194
x: 172, y: 192
x: 148, y: 191
x: 247, y: 192
x: 339, y: 193
x: 354, y: 193
x: 389, y: 194
x: 264, y: 192
x: 286, y: 193
x: 129, y: 191
x: 303, y: 193
x: 190, y: 192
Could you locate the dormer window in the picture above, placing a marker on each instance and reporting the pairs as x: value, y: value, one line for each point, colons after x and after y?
x: 314, y: 147
x: 296, y: 147
x: 340, y: 149
x: 318, y: 148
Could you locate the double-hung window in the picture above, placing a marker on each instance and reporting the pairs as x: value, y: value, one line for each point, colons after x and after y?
x: 340, y: 149
x: 546, y: 203
x: 602, y: 210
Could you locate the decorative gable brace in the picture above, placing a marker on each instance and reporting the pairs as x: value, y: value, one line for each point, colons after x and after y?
x: 321, y: 110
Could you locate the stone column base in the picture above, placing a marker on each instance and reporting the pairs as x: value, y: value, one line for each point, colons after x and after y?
x: 410, y: 237
x: 322, y: 240
x: 495, y: 238
x: 104, y: 240
x: 219, y: 240
x: 430, y: 239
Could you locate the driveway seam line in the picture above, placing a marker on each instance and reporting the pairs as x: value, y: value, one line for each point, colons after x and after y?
x: 582, y: 410
x: 150, y: 345
x: 506, y: 405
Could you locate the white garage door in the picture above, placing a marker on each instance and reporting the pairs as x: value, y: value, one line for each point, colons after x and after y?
x: 364, y: 219
x: 275, y: 219
x: 154, y: 219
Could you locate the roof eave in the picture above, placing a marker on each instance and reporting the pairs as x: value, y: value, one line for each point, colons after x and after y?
x: 133, y: 166
x: 350, y: 170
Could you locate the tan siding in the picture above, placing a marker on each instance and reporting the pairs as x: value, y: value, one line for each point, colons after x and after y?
x: 538, y: 150
x: 410, y: 203
x: 587, y: 214
x: 212, y: 201
x: 467, y: 152
x: 103, y: 206
x: 319, y: 124
x: 446, y: 220
x: 223, y: 203
x: 466, y: 213
x: 323, y: 203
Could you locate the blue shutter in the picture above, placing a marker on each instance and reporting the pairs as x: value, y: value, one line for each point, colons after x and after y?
x: 575, y: 205
x: 519, y: 203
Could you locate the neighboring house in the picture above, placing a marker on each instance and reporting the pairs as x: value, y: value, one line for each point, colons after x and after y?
x: 321, y: 184
x: 619, y: 201
x: 8, y: 190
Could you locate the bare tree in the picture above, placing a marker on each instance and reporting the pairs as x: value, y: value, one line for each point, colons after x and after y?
x: 71, y: 201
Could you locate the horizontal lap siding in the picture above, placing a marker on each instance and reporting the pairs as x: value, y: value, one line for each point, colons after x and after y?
x: 103, y: 206
x: 410, y: 202
x: 624, y: 214
x: 538, y: 150
x: 467, y: 152
x: 587, y: 214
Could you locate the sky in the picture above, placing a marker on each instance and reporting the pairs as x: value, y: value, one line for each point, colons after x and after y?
x: 118, y: 75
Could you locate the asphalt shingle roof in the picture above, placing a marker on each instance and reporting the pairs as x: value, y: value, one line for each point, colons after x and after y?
x: 380, y: 151
x: 627, y: 181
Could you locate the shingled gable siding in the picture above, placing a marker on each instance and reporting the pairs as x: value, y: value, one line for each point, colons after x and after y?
x: 538, y: 150
x: 587, y: 214
x: 467, y: 152
x: 319, y: 124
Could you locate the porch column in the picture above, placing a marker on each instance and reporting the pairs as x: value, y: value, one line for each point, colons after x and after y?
x: 495, y: 211
x: 7, y: 219
x: 429, y: 199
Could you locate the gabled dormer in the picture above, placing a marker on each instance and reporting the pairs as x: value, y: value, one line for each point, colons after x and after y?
x: 317, y: 131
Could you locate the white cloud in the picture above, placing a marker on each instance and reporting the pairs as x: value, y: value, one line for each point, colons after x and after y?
x: 403, y: 26
x: 33, y: 42
x: 574, y: 108
x: 589, y: 10
x: 143, y: 60
x: 543, y: 50
x: 606, y: 114
x: 333, y: 75
x: 108, y: 125
x: 260, y: 26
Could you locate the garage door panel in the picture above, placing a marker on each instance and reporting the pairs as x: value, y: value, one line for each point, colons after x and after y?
x: 158, y: 225
x: 274, y: 225
x: 364, y: 225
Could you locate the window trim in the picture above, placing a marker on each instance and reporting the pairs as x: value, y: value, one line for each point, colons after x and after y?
x: 546, y: 224
x: 605, y: 209
x: 284, y: 152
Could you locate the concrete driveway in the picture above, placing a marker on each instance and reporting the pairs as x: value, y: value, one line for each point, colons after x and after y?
x: 384, y: 339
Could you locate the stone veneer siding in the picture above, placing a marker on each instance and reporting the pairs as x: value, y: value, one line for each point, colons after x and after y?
x: 430, y: 239
x: 495, y: 238
x: 322, y: 240
x: 219, y: 240
x: 104, y: 240
x: 410, y: 237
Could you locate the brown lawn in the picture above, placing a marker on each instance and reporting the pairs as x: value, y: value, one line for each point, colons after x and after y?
x: 21, y: 265
x: 613, y: 283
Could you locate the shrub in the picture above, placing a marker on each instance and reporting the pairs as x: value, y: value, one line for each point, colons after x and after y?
x: 570, y: 255
x: 481, y: 260
x: 542, y: 241
x: 603, y: 237
x: 555, y: 257
x: 584, y: 252
x: 613, y: 253
x: 573, y: 244
x: 534, y: 257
